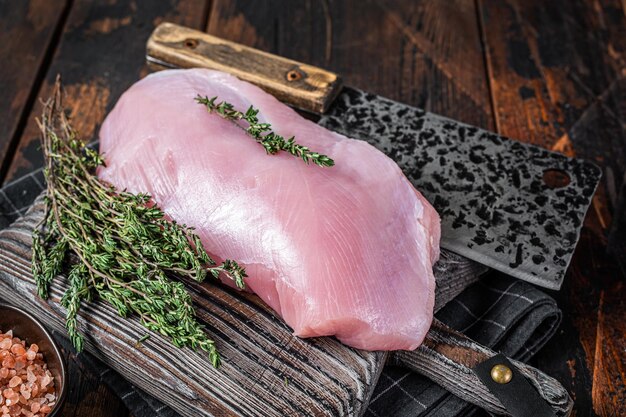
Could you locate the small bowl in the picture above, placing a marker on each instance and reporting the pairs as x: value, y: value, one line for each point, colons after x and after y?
x: 28, y: 328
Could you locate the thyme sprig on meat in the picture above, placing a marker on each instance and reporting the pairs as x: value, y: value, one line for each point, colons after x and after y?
x: 262, y: 132
x: 115, y: 245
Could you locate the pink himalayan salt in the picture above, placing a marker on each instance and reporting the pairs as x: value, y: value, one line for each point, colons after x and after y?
x: 26, y: 385
x: 18, y: 349
x: 15, y: 381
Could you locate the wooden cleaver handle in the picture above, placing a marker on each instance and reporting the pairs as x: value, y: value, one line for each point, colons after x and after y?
x: 303, y: 86
x: 447, y: 357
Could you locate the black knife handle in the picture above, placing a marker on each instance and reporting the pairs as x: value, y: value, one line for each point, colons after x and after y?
x: 448, y: 358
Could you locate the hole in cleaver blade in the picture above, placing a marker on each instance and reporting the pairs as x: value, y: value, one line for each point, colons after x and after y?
x: 512, y: 206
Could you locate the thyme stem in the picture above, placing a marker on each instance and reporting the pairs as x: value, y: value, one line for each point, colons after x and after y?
x: 262, y: 132
x: 125, y: 247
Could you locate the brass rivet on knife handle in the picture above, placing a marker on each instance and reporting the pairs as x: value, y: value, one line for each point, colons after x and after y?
x: 303, y: 86
x: 448, y: 357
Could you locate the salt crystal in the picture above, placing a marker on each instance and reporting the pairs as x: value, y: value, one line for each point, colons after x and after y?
x: 30, y: 376
x: 18, y: 349
x: 25, y: 391
x: 26, y: 385
x: 15, y: 381
x: 45, y: 381
x: 8, y: 362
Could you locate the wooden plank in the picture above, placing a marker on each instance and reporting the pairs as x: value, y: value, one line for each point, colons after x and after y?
x: 557, y: 79
x: 87, y: 396
x: 101, y: 53
x: 424, y: 53
x: 27, y: 30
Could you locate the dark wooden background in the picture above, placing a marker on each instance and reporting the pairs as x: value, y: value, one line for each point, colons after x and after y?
x: 548, y: 72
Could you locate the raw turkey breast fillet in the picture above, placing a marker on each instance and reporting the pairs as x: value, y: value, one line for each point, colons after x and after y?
x: 345, y: 251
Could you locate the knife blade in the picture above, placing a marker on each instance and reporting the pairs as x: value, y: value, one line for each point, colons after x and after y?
x: 497, y: 202
x: 493, y: 194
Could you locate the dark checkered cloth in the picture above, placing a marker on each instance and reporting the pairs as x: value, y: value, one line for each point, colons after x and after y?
x: 508, y: 315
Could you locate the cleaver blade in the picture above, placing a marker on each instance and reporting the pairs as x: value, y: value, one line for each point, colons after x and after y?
x: 497, y: 204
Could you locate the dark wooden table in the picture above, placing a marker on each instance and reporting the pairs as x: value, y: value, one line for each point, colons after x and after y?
x: 548, y: 72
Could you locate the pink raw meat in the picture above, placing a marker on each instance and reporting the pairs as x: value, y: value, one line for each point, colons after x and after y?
x: 345, y: 251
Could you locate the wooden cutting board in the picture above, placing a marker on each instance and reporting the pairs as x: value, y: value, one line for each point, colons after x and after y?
x: 265, y: 370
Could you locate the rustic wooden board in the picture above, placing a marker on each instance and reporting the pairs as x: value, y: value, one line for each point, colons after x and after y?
x: 266, y: 371
x: 424, y: 53
x: 100, y: 54
x: 27, y: 30
x: 558, y: 80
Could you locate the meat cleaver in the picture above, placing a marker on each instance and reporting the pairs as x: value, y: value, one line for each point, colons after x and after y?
x: 514, y: 207
x: 496, y: 204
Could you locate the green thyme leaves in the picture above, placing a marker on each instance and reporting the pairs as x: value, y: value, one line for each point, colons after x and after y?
x: 262, y: 132
x: 115, y: 245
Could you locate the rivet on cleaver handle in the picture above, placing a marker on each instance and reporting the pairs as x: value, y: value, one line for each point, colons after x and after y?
x: 303, y: 86
x: 450, y: 358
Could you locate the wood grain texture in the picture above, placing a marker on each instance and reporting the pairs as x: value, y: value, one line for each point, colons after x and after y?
x: 423, y: 53
x: 265, y: 371
x: 100, y: 54
x: 459, y: 354
x: 300, y: 85
x: 557, y: 77
x: 27, y: 30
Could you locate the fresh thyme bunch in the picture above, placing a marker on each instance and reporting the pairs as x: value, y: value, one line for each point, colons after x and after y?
x: 124, y: 245
x: 262, y: 132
